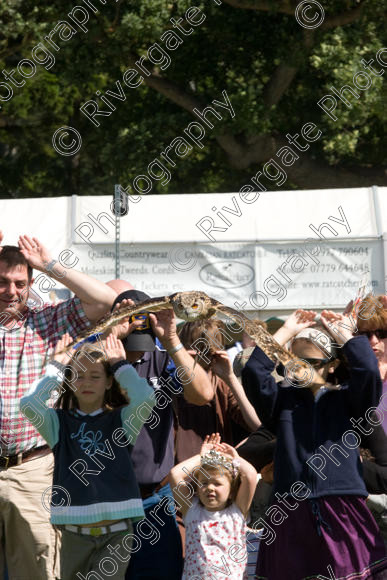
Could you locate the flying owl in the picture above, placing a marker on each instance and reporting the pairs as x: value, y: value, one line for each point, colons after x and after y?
x: 190, y: 306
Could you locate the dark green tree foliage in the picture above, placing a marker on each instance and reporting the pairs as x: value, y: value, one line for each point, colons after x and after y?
x: 273, y: 70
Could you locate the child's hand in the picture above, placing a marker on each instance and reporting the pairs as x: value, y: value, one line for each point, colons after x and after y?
x: 339, y: 325
x: 221, y: 365
x: 227, y: 450
x: 296, y: 322
x: 209, y: 443
x: 114, y: 349
x: 62, y: 357
x: 299, y: 320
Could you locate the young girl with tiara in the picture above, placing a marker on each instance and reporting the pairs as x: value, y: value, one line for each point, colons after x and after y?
x: 99, y: 413
x: 318, y: 511
x: 215, y: 519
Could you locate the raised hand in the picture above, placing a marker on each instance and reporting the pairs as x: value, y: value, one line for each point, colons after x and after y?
x: 124, y: 328
x: 210, y: 442
x: 114, y: 349
x: 34, y: 252
x: 340, y: 326
x: 296, y: 322
x: 221, y: 364
x: 62, y: 357
x: 164, y: 326
x: 299, y: 320
x: 227, y: 450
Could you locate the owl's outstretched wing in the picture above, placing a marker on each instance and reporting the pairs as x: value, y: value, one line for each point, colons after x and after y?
x: 110, y: 320
x: 261, y: 337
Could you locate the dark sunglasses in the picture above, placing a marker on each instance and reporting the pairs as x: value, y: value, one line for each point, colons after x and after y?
x: 317, y: 363
x: 379, y: 333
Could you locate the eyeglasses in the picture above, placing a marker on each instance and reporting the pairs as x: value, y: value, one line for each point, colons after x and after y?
x: 379, y: 333
x: 317, y: 363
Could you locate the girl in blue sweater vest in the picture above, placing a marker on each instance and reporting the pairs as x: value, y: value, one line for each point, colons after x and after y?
x: 318, y: 524
x: 101, y: 409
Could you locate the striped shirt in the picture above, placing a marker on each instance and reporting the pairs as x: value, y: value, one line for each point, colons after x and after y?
x: 24, y: 352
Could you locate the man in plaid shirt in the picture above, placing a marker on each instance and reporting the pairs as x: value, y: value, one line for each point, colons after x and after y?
x: 28, y: 336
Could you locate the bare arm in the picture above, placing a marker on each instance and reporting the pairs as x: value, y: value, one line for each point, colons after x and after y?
x: 179, y: 474
x: 95, y: 296
x: 296, y: 322
x: 181, y: 488
x: 221, y: 366
x: 248, y: 478
x: 196, y: 383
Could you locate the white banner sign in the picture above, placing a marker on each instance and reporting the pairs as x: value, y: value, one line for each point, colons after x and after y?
x: 247, y: 276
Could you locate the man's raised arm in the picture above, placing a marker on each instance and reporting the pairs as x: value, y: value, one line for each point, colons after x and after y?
x: 95, y: 296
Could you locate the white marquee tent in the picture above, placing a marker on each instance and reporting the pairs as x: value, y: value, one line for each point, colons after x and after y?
x: 258, y: 257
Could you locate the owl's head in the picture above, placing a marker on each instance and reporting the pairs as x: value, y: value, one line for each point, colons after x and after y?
x: 190, y: 306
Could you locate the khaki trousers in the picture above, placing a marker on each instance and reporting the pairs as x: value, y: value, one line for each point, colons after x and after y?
x: 28, y: 542
x: 95, y: 558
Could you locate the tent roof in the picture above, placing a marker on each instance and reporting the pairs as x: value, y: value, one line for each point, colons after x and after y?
x: 275, y: 216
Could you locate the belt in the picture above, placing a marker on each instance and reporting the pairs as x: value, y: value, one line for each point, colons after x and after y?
x: 12, y: 460
x: 148, y: 490
x: 122, y: 525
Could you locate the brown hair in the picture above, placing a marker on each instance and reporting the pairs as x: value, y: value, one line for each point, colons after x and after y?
x: 12, y: 256
x: 114, y: 397
x: 371, y: 314
x: 211, y: 330
x: 205, y: 337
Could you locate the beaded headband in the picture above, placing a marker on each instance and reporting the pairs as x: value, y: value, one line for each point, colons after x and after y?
x: 216, y: 459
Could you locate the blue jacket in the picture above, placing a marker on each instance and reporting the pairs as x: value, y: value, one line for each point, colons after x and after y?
x: 316, y: 442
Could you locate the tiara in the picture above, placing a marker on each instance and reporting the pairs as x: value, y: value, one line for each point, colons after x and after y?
x: 216, y: 459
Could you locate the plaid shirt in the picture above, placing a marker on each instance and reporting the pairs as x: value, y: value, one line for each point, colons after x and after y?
x: 24, y: 352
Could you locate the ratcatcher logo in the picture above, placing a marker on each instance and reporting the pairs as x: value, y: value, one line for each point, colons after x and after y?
x: 226, y: 274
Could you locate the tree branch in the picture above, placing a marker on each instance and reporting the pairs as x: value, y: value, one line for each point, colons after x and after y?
x: 8, y: 122
x: 242, y: 156
x: 343, y: 18
x: 284, y: 7
x: 305, y: 172
x: 117, y: 16
x: 279, y: 82
x: 289, y: 7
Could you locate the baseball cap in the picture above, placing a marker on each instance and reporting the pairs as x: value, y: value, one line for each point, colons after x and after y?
x: 142, y: 338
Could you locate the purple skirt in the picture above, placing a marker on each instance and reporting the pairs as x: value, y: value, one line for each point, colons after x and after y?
x: 330, y: 538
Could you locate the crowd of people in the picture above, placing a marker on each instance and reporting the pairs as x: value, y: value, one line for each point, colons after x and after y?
x: 146, y: 453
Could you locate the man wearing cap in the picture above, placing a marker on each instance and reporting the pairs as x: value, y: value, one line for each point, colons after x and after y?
x: 160, y: 556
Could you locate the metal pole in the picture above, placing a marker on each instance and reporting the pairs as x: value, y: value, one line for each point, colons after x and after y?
x: 117, y: 198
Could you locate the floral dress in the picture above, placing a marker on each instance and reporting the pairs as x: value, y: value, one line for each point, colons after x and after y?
x: 215, y: 543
